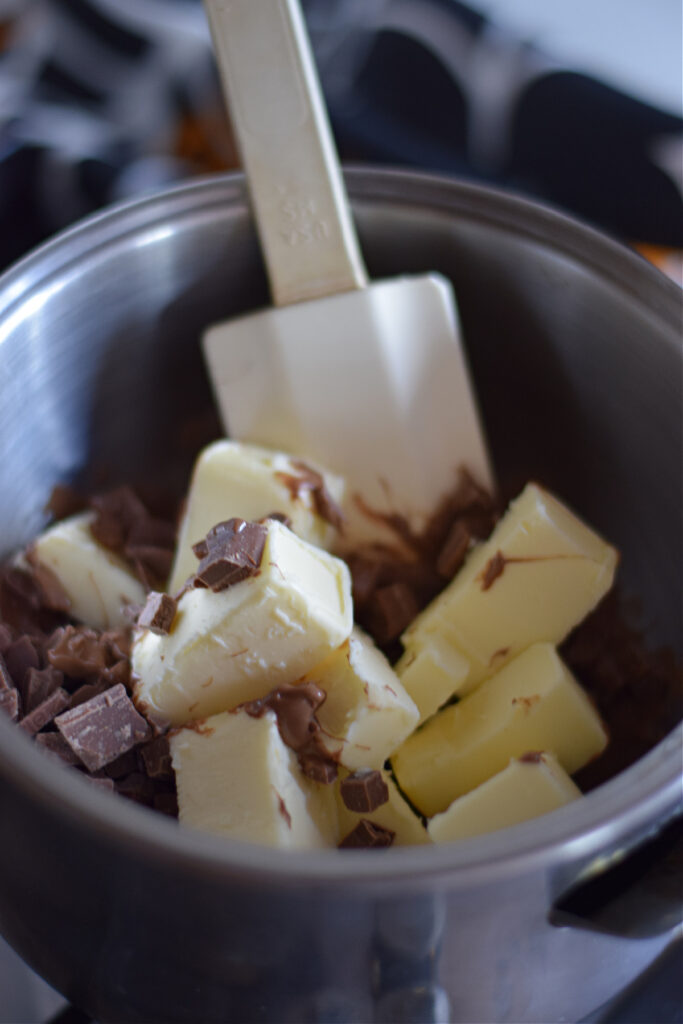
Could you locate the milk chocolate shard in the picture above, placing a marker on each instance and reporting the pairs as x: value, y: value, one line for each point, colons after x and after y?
x: 534, y: 703
x: 539, y: 574
x: 238, y: 644
x: 393, y: 814
x: 530, y: 786
x: 231, y: 479
x: 98, y: 583
x: 237, y: 778
x: 367, y: 713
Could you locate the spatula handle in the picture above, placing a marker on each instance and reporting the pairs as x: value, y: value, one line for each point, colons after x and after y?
x: 274, y: 97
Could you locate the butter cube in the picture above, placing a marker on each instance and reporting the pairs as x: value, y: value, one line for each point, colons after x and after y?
x: 235, y: 480
x: 98, y: 583
x: 244, y: 641
x: 432, y: 674
x: 366, y: 713
x: 534, y: 703
x: 541, y: 572
x: 236, y: 777
x: 528, y: 787
x: 396, y: 814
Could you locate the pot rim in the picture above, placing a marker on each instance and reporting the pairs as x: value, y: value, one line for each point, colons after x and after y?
x: 608, y: 817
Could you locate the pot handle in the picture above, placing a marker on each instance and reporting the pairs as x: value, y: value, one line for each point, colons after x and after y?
x: 639, y: 896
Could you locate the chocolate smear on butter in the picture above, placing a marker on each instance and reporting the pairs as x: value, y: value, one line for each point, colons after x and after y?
x: 364, y: 791
x: 299, y: 728
x: 158, y: 613
x: 367, y: 835
x: 231, y: 552
x: 103, y: 728
x: 308, y: 479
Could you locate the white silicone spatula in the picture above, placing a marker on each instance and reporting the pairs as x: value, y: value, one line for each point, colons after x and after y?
x: 369, y: 380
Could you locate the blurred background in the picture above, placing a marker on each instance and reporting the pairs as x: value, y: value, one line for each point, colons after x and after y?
x: 577, y: 102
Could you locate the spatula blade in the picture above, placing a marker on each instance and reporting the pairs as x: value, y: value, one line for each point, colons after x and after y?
x: 372, y: 384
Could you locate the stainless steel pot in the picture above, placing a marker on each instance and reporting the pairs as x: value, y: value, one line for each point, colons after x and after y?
x: 575, y: 347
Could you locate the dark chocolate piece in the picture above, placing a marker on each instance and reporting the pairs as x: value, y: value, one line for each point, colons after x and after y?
x: 366, y: 836
x: 364, y: 791
x: 123, y: 765
x: 87, y: 692
x: 38, y: 684
x: 136, y: 787
x: 152, y: 565
x: 158, y: 613
x: 22, y: 655
x: 319, y: 768
x: 45, y: 712
x: 234, y: 550
x: 64, y: 502
x: 166, y: 802
x: 103, y: 728
x: 116, y: 514
x: 49, y: 591
x: 393, y: 609
x: 156, y: 757
x: 10, y: 703
x: 55, y: 744
x: 452, y: 554
x: 102, y: 782
x: 5, y: 637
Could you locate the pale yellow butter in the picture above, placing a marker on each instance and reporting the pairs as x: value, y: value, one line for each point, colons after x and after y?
x: 366, y: 713
x: 98, y: 583
x: 396, y: 814
x: 242, y: 642
x: 236, y: 777
x: 541, y: 572
x: 235, y: 480
x: 523, y: 790
x: 534, y: 703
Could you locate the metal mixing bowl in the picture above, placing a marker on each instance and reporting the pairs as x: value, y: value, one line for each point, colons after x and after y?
x: 574, y: 344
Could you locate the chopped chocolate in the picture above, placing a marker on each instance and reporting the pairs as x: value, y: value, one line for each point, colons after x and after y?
x: 6, y: 680
x: 38, y: 684
x: 54, y: 743
x: 152, y: 565
x: 103, y: 728
x: 136, y: 787
x: 156, y: 757
x: 166, y: 802
x: 64, y: 501
x: 77, y: 652
x: 21, y: 655
x: 45, y: 712
x: 116, y: 514
x: 49, y: 591
x: 5, y: 637
x: 367, y: 835
x: 152, y: 532
x: 234, y: 549
x: 393, y: 608
x: 363, y: 791
x: 123, y: 765
x: 295, y: 708
x: 158, y: 613
x: 10, y: 703
x: 86, y: 692
x: 310, y: 479
x: 531, y: 757
x: 452, y: 554
x: 279, y: 517
x: 319, y: 768
x: 102, y: 782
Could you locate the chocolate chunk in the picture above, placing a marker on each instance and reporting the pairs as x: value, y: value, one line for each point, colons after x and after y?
x: 367, y: 835
x: 77, y: 652
x: 126, y: 764
x: 102, y: 782
x: 55, y: 744
x: 64, y: 502
x: 87, y: 692
x: 158, y: 613
x: 136, y: 787
x: 294, y: 707
x: 156, y: 757
x: 166, y: 802
x: 5, y: 637
x: 393, y: 609
x: 152, y: 565
x: 103, y: 728
x: 45, y: 712
x: 319, y: 768
x: 363, y: 791
x: 152, y: 532
x: 22, y: 655
x: 38, y: 684
x: 279, y: 517
x: 10, y: 703
x: 6, y: 680
x: 234, y: 550
x: 116, y: 514
x: 453, y: 552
